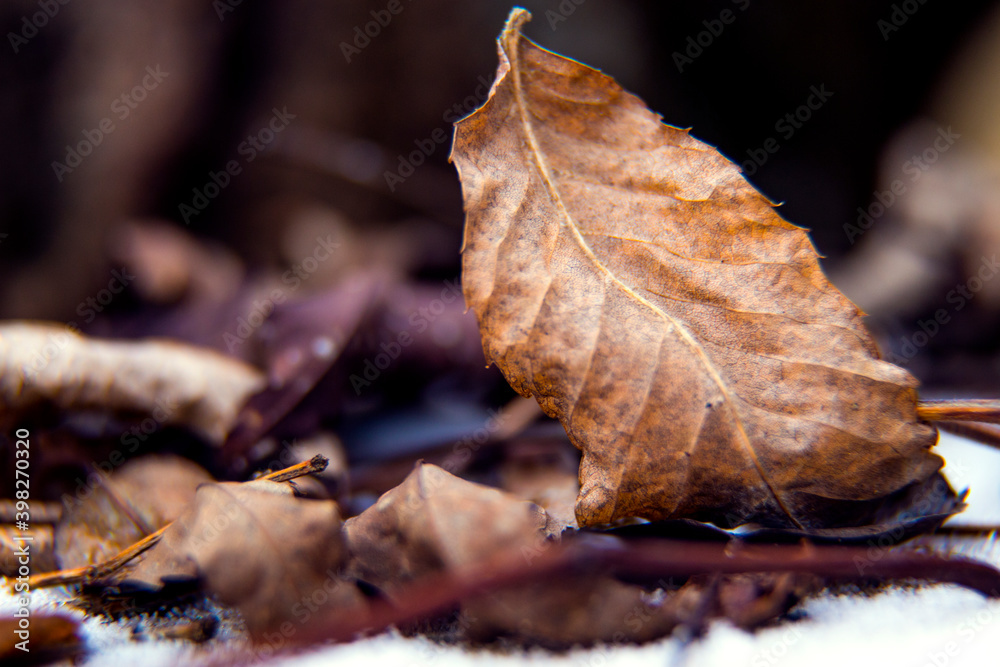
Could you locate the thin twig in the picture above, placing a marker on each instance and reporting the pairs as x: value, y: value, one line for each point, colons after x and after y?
x: 316, y: 464
x: 971, y: 410
x: 79, y: 575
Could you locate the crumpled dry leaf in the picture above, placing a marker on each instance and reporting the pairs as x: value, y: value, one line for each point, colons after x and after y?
x: 111, y: 512
x: 175, y: 383
x: 256, y: 547
x: 435, y: 521
x: 628, y: 277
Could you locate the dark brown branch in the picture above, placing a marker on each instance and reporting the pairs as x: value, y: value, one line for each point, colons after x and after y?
x: 654, y: 559
x: 972, y: 410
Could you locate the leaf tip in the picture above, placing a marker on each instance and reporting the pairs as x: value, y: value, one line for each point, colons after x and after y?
x: 512, y: 30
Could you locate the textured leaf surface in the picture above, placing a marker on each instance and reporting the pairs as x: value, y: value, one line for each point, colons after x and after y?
x: 256, y: 547
x: 111, y: 512
x: 628, y: 277
x: 174, y: 382
x: 435, y: 521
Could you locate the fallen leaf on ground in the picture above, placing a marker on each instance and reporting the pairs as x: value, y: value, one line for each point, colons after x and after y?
x: 257, y: 547
x: 578, y: 610
x: 435, y: 521
x: 172, y: 382
x: 628, y: 277
x: 583, y: 610
x: 113, y: 511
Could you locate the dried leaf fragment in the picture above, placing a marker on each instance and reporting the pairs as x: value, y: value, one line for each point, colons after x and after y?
x: 176, y: 383
x: 435, y: 521
x: 629, y: 278
x: 120, y: 509
x: 257, y: 547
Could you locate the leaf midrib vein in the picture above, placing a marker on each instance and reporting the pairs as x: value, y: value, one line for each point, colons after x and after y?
x: 513, y: 40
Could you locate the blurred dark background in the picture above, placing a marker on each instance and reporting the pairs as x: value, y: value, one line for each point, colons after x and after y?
x: 185, y: 84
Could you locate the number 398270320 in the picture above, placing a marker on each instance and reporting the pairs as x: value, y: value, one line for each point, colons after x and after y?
x: 21, y: 452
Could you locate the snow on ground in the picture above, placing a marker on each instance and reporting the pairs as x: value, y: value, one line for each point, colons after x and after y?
x: 931, y: 626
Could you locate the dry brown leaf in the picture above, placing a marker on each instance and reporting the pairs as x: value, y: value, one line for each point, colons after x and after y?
x: 50, y: 637
x: 117, y: 510
x: 256, y: 547
x: 629, y: 278
x: 175, y: 383
x: 435, y: 521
